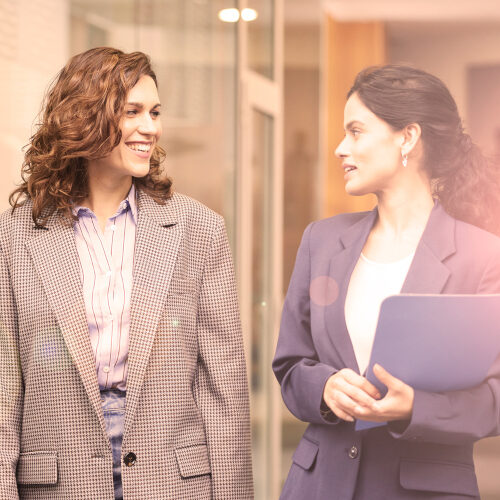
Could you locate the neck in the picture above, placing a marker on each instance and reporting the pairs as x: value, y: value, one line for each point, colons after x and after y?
x: 404, y: 210
x: 105, y: 195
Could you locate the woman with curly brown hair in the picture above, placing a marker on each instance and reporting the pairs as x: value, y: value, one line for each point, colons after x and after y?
x: 121, y: 358
x: 404, y: 142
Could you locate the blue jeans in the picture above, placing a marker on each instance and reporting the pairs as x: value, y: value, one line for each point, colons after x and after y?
x: 113, y: 408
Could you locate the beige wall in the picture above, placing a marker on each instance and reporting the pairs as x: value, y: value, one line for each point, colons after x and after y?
x: 33, y: 41
x: 446, y: 50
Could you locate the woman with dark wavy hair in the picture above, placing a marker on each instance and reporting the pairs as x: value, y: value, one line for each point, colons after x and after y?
x: 122, y: 371
x: 404, y: 142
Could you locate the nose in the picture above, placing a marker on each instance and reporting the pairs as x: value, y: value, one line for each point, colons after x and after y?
x: 341, y: 151
x: 149, y: 125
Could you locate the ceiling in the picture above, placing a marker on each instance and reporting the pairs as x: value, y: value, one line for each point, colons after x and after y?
x: 310, y: 11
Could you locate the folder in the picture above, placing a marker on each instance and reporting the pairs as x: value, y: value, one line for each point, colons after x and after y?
x: 435, y: 343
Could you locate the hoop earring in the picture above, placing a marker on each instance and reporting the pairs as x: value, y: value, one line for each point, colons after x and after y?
x: 405, y: 160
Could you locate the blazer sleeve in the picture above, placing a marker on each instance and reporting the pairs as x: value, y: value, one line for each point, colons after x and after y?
x: 459, y: 417
x: 220, y: 388
x: 11, y: 387
x: 296, y: 364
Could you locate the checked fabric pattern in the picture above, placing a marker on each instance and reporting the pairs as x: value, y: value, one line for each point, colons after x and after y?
x: 187, y: 411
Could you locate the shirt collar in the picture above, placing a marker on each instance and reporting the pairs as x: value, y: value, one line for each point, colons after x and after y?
x: 129, y: 202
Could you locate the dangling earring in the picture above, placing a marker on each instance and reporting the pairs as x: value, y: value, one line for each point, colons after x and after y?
x: 405, y: 160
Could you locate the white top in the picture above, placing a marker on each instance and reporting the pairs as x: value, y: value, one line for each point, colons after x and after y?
x: 371, y: 282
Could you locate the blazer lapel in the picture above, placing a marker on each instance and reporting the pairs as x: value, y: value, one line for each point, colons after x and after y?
x: 55, y: 258
x: 157, y: 242
x: 341, y: 267
x: 428, y: 273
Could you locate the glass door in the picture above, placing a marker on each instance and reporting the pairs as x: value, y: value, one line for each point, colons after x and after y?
x: 260, y: 219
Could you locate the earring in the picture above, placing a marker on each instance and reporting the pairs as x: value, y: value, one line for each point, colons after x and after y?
x: 405, y: 160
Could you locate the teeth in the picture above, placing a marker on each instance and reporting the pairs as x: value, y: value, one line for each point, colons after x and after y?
x: 140, y: 147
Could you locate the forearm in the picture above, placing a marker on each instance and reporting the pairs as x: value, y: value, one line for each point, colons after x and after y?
x: 454, y: 417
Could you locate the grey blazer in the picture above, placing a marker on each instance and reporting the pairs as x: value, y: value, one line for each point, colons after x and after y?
x: 187, y: 411
x: 429, y: 458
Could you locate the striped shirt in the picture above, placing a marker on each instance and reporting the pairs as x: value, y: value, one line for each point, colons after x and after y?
x: 106, y: 272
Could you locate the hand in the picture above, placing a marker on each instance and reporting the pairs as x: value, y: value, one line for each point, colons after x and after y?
x: 346, y: 391
x: 397, y: 404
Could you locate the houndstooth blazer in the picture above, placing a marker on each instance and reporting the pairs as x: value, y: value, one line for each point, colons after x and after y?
x: 187, y: 412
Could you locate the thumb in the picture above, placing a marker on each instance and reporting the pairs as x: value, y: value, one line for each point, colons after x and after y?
x: 384, y: 376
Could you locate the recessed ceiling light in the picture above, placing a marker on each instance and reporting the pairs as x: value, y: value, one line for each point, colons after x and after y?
x: 249, y: 14
x: 229, y: 15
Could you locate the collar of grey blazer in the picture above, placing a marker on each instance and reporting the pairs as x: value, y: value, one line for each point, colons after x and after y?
x: 165, y: 215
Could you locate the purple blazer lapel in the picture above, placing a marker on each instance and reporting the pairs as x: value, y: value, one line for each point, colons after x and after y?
x: 340, y: 269
x: 428, y: 273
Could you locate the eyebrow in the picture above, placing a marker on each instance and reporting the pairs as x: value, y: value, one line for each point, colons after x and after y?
x: 140, y: 105
x: 352, y: 123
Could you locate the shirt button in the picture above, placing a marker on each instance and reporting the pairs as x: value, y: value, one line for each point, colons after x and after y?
x: 112, y: 227
x: 106, y: 369
x: 129, y: 459
x: 353, y: 452
x: 108, y: 273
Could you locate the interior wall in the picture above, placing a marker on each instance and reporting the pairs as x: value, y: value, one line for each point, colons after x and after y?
x: 350, y: 47
x: 447, y: 50
x: 301, y: 137
x: 33, y: 47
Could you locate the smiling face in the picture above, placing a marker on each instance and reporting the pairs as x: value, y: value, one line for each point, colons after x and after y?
x: 370, y: 151
x: 140, y: 129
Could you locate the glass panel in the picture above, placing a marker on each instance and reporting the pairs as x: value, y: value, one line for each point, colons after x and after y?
x: 261, y: 37
x: 262, y: 338
x: 194, y: 56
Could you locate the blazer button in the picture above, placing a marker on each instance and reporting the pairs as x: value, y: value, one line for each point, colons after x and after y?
x: 129, y: 459
x: 353, y: 452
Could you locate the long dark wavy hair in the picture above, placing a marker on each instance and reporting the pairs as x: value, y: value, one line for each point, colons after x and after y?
x: 464, y: 181
x: 79, y: 122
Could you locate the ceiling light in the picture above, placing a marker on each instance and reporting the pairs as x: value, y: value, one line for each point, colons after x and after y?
x: 230, y: 15
x: 249, y: 14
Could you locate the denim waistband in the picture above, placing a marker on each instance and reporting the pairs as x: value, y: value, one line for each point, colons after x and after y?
x: 113, y: 399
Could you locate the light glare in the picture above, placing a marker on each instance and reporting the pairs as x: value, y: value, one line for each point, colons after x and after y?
x: 229, y: 15
x: 249, y: 14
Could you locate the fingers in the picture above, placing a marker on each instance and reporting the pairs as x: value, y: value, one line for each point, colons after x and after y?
x: 385, y: 377
x: 361, y: 382
x: 346, y: 391
x: 340, y: 412
x: 355, y: 393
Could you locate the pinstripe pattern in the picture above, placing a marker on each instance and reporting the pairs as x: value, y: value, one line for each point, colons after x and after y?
x: 106, y: 261
x: 186, y: 384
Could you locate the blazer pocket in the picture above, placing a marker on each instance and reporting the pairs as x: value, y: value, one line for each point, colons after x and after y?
x: 193, y: 460
x: 182, y: 286
x: 37, y: 467
x: 439, y: 477
x: 305, y: 454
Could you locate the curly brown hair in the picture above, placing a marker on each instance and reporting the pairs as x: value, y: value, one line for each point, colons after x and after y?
x: 80, y: 122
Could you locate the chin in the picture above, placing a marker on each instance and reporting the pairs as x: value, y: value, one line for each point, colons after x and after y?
x: 139, y: 170
x: 356, y: 191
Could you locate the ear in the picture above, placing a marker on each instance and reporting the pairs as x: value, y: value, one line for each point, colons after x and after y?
x: 411, y: 136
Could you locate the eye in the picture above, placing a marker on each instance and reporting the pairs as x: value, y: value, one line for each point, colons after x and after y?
x: 355, y: 132
x: 131, y: 112
x: 155, y: 113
